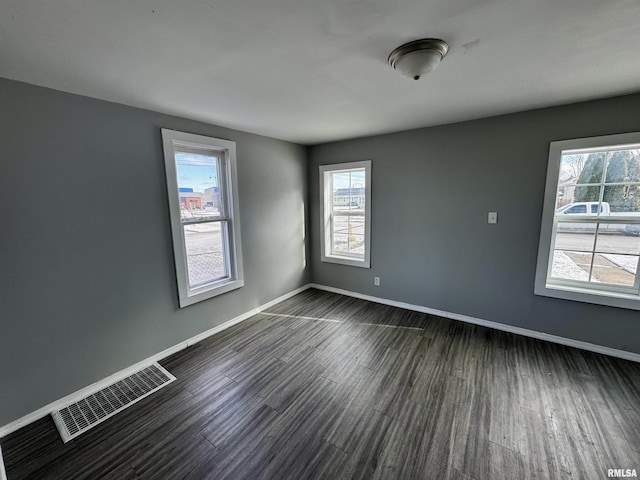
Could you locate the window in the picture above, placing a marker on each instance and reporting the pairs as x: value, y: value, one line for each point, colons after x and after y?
x: 345, y: 210
x: 203, y: 204
x: 590, y: 237
x: 578, y: 209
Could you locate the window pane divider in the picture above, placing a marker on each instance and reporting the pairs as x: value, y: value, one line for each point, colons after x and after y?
x: 601, y: 149
x: 196, y: 222
x: 580, y: 184
x: 595, y: 287
x: 595, y: 219
x: 636, y: 284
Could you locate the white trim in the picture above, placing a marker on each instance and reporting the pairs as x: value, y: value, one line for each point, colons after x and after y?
x: 86, y: 391
x: 116, y: 377
x: 3, y: 472
x: 74, y: 397
x: 245, y: 316
x: 591, y: 347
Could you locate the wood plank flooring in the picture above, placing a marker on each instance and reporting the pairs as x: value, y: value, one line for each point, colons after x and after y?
x: 329, y: 387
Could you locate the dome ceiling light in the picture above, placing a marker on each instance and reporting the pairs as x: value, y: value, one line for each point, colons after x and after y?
x: 415, y: 59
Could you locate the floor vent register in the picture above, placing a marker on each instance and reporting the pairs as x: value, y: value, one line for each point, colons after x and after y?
x: 75, y: 419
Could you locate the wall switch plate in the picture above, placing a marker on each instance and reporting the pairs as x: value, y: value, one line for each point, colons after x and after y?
x: 493, y: 217
x: 376, y: 281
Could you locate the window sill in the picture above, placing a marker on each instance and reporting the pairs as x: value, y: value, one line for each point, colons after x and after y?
x: 587, y: 295
x: 352, y: 262
x: 209, y: 292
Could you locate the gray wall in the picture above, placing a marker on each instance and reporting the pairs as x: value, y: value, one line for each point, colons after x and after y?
x: 431, y: 244
x: 87, y: 281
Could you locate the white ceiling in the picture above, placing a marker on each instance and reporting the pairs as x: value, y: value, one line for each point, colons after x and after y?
x: 312, y: 71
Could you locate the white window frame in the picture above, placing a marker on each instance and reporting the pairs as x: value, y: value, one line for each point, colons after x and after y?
x: 616, y: 296
x: 173, y: 142
x: 326, y: 201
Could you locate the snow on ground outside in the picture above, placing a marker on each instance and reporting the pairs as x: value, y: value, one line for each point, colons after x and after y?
x: 627, y: 262
x: 564, y: 267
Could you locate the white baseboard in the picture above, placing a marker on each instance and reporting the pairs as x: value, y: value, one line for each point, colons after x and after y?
x: 74, y: 397
x: 3, y: 473
x: 94, y: 387
x: 634, y: 357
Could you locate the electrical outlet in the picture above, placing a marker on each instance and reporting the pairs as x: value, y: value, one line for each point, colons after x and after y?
x: 493, y: 217
x: 376, y: 281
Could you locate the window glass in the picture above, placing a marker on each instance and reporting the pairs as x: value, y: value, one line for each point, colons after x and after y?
x: 577, y: 209
x: 206, y: 253
x: 198, y: 186
x: 348, y: 212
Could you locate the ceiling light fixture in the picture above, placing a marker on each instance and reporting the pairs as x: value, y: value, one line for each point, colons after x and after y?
x: 415, y: 59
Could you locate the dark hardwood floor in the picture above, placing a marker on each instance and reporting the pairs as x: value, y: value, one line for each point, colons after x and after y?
x: 325, y: 386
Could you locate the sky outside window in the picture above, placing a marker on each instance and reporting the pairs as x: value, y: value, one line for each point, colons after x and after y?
x: 198, y: 172
x: 353, y: 179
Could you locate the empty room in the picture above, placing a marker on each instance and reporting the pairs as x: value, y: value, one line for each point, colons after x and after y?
x: 294, y: 239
